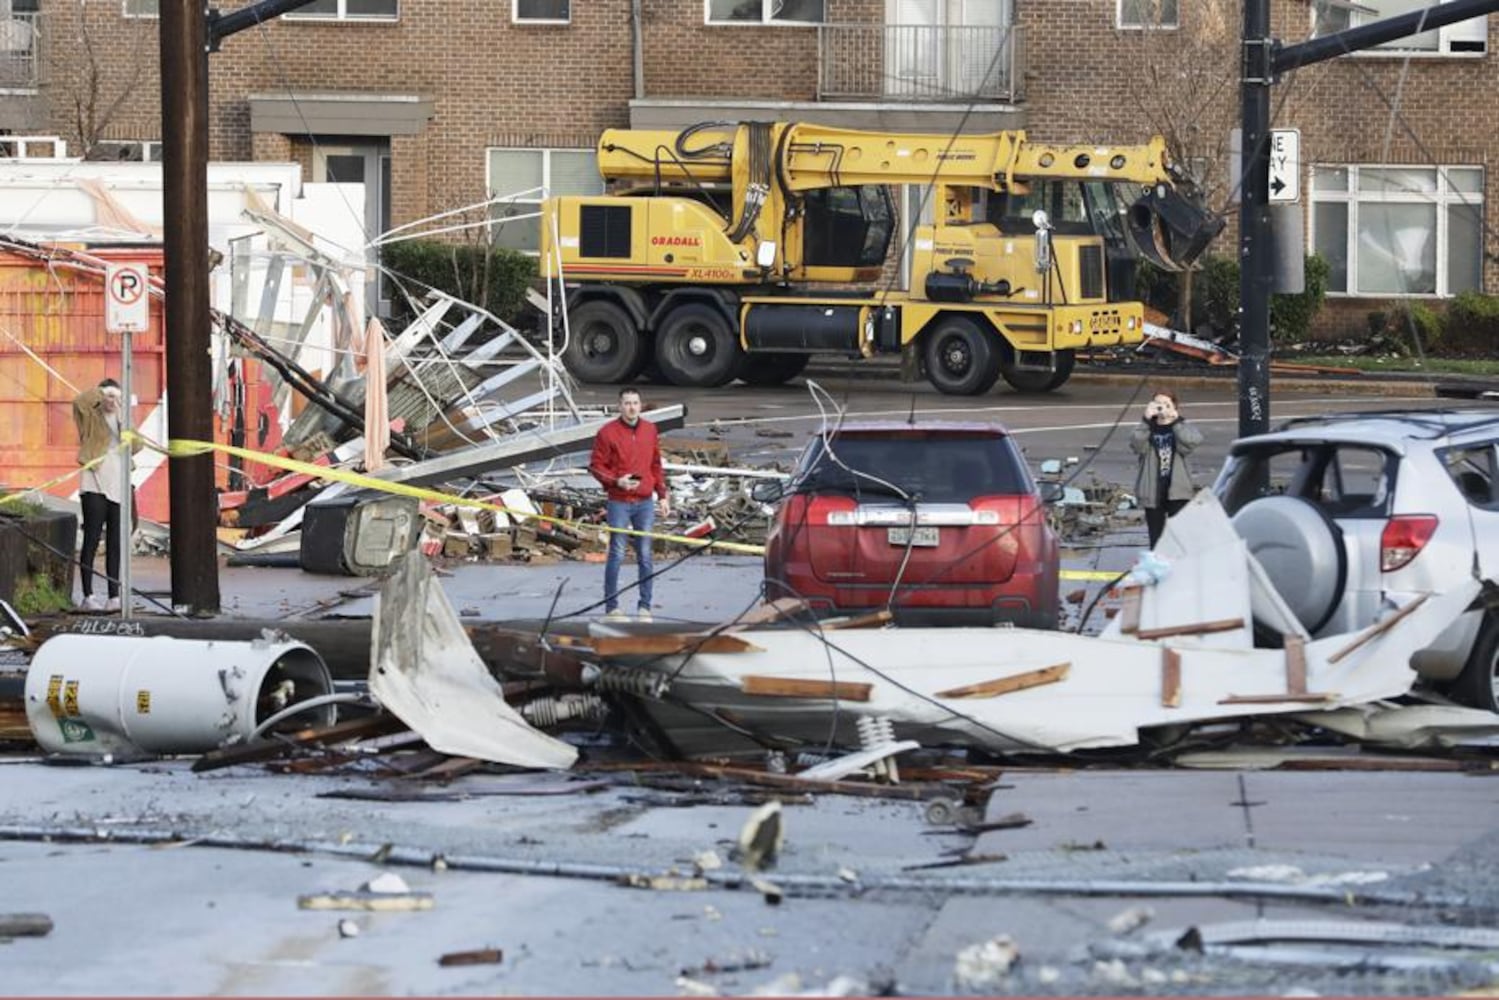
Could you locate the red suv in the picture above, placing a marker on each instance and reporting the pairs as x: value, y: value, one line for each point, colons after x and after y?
x: 940, y: 522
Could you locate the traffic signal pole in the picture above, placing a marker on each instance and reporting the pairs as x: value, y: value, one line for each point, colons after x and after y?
x: 1264, y: 60
x: 185, y: 37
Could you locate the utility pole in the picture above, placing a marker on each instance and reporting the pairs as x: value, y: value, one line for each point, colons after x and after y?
x: 184, y: 171
x: 1264, y: 59
x: 185, y: 37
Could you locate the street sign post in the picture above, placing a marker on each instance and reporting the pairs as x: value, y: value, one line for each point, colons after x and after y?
x: 1285, y: 164
x: 127, y: 310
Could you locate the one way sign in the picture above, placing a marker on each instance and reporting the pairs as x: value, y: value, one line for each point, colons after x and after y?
x: 1285, y: 164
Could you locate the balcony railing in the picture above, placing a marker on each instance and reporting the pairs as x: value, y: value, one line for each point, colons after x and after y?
x: 919, y: 63
x: 19, y: 42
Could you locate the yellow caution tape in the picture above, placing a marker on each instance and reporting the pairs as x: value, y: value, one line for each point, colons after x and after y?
x: 44, y: 487
x: 183, y: 448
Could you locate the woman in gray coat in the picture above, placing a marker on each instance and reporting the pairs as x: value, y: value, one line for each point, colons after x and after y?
x: 1163, y: 440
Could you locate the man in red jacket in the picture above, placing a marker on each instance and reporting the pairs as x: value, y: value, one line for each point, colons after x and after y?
x: 627, y: 463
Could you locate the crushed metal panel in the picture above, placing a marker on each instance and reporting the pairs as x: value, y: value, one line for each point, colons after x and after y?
x: 1409, y: 727
x: 425, y: 671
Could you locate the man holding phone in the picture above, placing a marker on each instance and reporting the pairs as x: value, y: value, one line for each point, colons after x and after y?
x: 626, y: 461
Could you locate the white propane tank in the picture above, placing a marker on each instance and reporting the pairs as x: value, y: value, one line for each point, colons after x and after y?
x: 93, y: 695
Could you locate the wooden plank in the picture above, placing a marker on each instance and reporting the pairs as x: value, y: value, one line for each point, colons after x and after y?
x: 1378, y: 628
x: 1014, y: 682
x: 1295, y: 664
x: 796, y: 687
x: 1276, y: 699
x: 1169, y: 678
x: 766, y: 613
x: 1129, y: 612
x: 1191, y: 628
x: 659, y: 644
x: 261, y: 750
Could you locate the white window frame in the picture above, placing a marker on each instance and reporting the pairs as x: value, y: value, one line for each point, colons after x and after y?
x: 515, y: 16
x: 537, y: 196
x: 1359, y: 13
x: 1443, y: 198
x: 766, y: 20
x: 154, y: 15
x: 342, y: 16
x: 1123, y: 25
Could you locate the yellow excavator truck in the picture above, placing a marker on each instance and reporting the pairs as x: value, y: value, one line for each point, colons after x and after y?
x: 730, y: 251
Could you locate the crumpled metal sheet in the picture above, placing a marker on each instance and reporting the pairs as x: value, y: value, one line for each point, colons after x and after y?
x: 425, y: 671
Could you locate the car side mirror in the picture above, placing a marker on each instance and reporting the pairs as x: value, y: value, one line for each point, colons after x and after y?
x: 1051, y: 492
x: 767, y: 490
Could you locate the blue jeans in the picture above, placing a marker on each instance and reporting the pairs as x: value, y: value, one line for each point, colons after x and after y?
x: 641, y: 516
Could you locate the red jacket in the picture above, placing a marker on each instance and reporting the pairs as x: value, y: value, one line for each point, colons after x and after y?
x: 619, y: 449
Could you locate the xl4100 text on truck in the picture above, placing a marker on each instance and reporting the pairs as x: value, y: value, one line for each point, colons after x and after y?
x: 737, y: 251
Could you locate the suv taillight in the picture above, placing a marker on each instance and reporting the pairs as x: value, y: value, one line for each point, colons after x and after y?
x: 1403, y: 538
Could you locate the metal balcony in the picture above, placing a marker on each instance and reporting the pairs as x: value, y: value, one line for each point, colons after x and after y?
x: 19, y: 45
x: 918, y: 63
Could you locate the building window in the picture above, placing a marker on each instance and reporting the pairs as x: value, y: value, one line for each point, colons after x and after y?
x: 1148, y: 14
x: 766, y: 11
x: 142, y: 8
x: 347, y: 10
x: 541, y: 11
x: 1465, y: 38
x: 1399, y: 230
x: 523, y: 177
x: 127, y: 150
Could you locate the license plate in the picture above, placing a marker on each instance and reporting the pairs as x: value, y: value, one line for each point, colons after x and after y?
x: 925, y: 537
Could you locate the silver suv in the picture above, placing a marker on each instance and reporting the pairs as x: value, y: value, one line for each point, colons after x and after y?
x: 1353, y: 514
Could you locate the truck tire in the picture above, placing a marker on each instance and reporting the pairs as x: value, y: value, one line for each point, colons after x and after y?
x: 1478, y: 684
x: 696, y: 347
x: 604, y: 345
x: 962, y: 357
x: 772, y: 368
x: 1032, y: 381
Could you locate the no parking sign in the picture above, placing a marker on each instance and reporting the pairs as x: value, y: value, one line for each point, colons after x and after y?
x: 127, y: 307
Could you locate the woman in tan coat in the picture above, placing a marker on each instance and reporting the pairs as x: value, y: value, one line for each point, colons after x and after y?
x: 97, y: 415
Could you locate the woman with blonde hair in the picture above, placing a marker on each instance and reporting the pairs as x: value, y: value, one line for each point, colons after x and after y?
x: 97, y: 415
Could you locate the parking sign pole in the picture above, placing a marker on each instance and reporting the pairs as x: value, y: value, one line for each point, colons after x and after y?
x: 127, y: 493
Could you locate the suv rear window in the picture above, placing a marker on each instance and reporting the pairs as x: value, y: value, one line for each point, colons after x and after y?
x: 1472, y: 469
x: 951, y: 467
x: 1345, y: 480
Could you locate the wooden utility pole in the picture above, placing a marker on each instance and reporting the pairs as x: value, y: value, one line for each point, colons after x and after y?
x: 188, y: 31
x: 1264, y: 60
x: 184, y: 166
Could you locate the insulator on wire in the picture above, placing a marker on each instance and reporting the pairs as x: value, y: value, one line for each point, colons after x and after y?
x: 626, y: 680
x: 546, y: 712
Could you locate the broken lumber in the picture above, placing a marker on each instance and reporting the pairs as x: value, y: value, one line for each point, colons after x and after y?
x: 1014, y: 682
x: 670, y: 644
x: 795, y: 687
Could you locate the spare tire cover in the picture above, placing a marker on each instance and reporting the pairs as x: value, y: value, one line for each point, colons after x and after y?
x: 1301, y: 549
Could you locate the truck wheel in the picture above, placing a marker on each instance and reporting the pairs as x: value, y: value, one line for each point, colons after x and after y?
x: 696, y: 347
x: 604, y: 345
x: 961, y: 357
x: 1031, y: 381
x: 1478, y: 684
x: 774, y: 368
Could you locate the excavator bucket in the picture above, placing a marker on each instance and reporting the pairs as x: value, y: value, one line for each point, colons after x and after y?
x: 1170, y: 229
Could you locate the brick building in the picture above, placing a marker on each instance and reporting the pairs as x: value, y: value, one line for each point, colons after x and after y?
x: 436, y: 104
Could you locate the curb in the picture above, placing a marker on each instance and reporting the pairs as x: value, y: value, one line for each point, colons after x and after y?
x: 1425, y: 386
